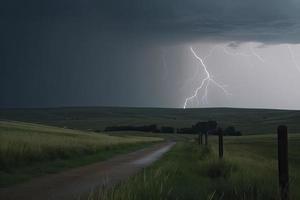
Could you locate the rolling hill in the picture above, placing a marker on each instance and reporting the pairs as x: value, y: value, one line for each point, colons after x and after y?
x: 249, y: 121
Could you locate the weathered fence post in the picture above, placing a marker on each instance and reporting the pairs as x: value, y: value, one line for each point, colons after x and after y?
x: 206, y: 138
x: 283, y: 169
x: 220, y: 132
x: 200, y: 138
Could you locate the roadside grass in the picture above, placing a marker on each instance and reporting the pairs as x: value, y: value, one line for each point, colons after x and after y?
x: 28, y: 150
x: 260, y: 153
x: 188, y: 171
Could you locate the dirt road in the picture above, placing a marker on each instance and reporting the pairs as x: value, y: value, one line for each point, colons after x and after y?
x: 81, y: 181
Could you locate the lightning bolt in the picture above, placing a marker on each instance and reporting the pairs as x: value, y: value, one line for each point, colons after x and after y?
x: 210, y: 53
x: 205, y: 82
x: 208, y: 78
x: 252, y: 53
x: 235, y: 53
x: 293, y: 57
x: 241, y: 54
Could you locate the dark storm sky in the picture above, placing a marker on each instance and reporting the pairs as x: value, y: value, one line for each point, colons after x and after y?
x: 91, y: 53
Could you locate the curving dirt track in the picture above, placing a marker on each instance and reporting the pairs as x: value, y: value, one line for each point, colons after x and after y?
x: 81, y: 181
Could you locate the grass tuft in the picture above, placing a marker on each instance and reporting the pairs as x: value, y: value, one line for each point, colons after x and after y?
x: 217, y: 168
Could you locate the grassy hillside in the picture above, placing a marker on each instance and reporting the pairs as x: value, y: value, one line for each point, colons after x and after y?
x: 248, y: 171
x: 27, y: 149
x: 249, y: 121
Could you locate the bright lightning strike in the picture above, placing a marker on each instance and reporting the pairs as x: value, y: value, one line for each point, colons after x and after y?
x: 205, y: 82
x: 235, y: 53
x: 251, y: 49
x: 241, y: 54
x: 208, y: 79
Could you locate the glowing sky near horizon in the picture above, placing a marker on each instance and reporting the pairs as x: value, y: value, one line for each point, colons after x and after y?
x: 256, y: 75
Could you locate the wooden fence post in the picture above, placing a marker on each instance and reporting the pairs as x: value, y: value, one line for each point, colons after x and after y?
x: 283, y: 169
x: 206, y: 142
x: 220, y: 143
x: 200, y: 138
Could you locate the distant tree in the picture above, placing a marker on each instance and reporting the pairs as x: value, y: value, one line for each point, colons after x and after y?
x: 186, y: 131
x: 230, y: 130
x: 145, y: 128
x: 167, y: 129
x: 201, y: 127
x: 212, y: 125
x: 213, y: 131
x: 238, y: 133
x: 204, y: 127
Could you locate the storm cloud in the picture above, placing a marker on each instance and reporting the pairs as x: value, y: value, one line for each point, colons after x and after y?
x: 91, y: 52
x: 255, y: 20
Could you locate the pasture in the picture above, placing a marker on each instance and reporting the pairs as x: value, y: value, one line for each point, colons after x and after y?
x: 248, y: 170
x: 28, y: 150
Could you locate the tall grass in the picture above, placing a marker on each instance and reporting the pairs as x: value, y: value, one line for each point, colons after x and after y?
x: 22, y: 144
x: 192, y: 172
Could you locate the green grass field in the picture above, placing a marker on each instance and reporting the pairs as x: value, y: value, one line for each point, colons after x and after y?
x: 248, y: 171
x: 28, y: 150
x: 249, y: 121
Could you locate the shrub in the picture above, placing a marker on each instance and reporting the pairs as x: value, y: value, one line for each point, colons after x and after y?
x: 219, y: 169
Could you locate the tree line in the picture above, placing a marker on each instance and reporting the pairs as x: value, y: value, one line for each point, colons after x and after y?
x: 209, y: 127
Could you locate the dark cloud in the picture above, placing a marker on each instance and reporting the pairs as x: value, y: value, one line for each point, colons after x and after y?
x: 91, y: 52
x: 261, y: 20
